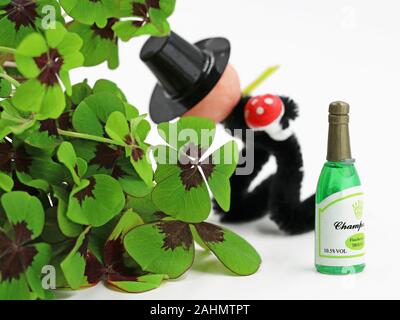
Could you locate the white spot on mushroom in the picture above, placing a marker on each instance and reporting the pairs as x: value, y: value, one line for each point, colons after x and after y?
x: 246, y: 113
x: 254, y: 102
x: 269, y: 101
x: 260, y: 110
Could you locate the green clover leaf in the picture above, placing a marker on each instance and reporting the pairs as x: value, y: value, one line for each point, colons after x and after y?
x: 20, y: 18
x: 149, y: 18
x: 167, y: 247
x: 99, y: 44
x: 67, y: 227
x: 5, y: 88
x: 6, y: 182
x: 31, y: 168
x: 95, y: 201
x: 91, y: 12
x: 93, y: 112
x: 45, y: 60
x: 233, y: 251
x: 164, y: 247
x: 184, y: 172
x: 133, y: 136
x: 83, y: 267
x: 73, y: 266
x: 76, y: 166
x: 12, y: 120
x: 21, y: 261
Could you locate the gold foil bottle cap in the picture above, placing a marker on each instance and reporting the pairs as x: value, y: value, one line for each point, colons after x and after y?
x: 339, y: 108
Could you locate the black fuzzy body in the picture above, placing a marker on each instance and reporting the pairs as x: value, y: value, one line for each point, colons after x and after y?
x: 279, y: 194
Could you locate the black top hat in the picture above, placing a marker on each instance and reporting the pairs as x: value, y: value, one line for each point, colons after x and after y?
x: 186, y: 73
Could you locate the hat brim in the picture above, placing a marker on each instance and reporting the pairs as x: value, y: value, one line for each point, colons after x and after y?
x: 163, y: 108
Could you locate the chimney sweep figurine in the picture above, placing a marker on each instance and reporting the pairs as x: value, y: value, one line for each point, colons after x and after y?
x: 197, y: 80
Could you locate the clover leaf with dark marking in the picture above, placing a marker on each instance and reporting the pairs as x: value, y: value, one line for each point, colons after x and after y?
x: 184, y: 171
x: 99, y: 43
x: 34, y: 170
x: 163, y: 247
x: 234, y: 252
x: 22, y: 259
x: 149, y: 18
x: 18, y: 18
x: 45, y: 60
x: 167, y: 247
x: 133, y: 135
x: 91, y: 11
x: 94, y: 200
x: 85, y: 268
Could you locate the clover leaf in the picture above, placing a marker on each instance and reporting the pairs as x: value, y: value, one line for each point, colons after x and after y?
x: 18, y: 18
x: 73, y: 266
x: 185, y: 172
x: 149, y: 18
x: 13, y: 121
x: 96, y: 201
x: 67, y: 227
x: 113, y: 269
x: 132, y: 135
x: 164, y: 247
x: 167, y: 246
x: 45, y: 60
x: 233, y: 251
x: 82, y: 267
x: 93, y: 112
x: 6, y: 182
x: 5, y: 88
x: 22, y: 259
x: 99, y: 44
x: 91, y: 12
x: 34, y: 170
x: 76, y: 166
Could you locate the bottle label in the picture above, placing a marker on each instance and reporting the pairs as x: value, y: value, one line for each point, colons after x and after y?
x: 340, y: 229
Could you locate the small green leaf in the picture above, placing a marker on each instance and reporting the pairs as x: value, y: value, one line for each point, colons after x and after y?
x: 5, y: 88
x: 66, y: 155
x: 67, y: 227
x: 74, y: 264
x: 117, y: 127
x: 6, y: 182
x: 225, y: 161
x: 128, y: 221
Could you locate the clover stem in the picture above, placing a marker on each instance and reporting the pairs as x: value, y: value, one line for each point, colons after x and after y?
x: 10, y: 79
x: 89, y: 137
x: 7, y: 50
x: 265, y: 75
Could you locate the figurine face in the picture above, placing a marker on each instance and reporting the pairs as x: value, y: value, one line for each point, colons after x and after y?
x: 261, y: 111
x: 220, y: 102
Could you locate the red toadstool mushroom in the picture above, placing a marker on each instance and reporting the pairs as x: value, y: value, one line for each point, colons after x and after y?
x: 262, y: 111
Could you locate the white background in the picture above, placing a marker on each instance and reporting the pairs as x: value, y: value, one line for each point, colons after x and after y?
x: 328, y: 50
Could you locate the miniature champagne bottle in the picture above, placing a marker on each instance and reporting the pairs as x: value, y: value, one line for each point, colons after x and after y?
x: 340, y: 229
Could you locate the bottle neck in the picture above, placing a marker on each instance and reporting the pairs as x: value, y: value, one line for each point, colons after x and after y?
x: 339, y: 138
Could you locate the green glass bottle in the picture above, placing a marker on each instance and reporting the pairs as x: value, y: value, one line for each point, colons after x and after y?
x: 339, y: 227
